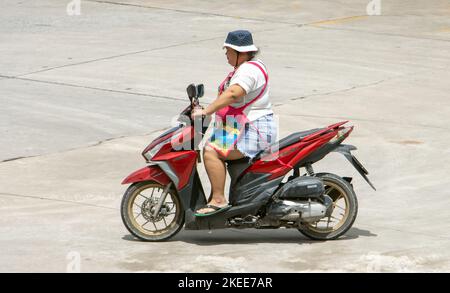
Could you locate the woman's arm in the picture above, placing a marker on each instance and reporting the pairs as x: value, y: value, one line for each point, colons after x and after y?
x: 228, y: 97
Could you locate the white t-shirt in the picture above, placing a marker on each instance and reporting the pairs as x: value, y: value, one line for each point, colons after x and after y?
x: 252, y: 80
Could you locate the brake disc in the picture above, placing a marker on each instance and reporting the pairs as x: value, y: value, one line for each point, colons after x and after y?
x: 148, y: 208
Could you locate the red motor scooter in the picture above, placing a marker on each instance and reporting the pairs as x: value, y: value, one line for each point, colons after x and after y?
x: 164, y: 195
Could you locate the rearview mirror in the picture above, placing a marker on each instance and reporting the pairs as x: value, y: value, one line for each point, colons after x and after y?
x: 191, y: 91
x: 200, y: 90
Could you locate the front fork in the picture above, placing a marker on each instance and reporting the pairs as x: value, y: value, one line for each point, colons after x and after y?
x: 161, y: 200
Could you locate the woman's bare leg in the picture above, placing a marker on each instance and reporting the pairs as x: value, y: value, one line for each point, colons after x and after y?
x: 216, y: 170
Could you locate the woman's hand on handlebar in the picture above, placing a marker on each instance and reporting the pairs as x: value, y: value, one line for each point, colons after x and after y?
x: 198, y: 112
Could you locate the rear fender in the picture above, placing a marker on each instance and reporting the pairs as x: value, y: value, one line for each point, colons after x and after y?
x: 346, y: 149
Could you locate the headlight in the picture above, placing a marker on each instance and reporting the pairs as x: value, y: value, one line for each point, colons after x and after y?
x: 150, y: 153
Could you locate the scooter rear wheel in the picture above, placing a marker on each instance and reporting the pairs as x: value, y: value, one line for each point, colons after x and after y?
x: 138, y: 205
x: 345, y: 209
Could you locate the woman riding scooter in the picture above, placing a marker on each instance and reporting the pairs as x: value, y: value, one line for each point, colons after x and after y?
x: 243, y: 104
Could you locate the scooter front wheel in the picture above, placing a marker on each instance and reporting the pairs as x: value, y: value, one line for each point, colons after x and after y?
x: 138, y: 211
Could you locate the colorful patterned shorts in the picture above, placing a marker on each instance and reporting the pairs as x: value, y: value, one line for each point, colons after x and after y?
x: 253, y: 141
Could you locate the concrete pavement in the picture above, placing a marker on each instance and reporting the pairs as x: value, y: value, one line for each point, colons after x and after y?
x: 82, y: 95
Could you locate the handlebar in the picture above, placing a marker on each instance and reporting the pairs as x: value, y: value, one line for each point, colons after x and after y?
x: 186, y: 116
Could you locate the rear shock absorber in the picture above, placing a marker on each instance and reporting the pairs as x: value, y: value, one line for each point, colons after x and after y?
x: 310, y: 170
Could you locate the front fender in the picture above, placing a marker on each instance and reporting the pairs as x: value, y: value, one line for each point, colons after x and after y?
x: 149, y: 173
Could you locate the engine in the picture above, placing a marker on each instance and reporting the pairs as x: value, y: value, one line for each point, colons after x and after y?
x: 301, y: 199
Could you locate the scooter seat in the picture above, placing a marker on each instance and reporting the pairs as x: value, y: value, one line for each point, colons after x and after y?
x: 287, y: 141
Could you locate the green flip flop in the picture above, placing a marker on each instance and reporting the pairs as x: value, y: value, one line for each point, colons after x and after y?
x: 215, y: 208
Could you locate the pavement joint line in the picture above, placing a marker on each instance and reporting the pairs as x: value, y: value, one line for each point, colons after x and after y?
x: 188, y: 11
x: 339, y: 20
x: 369, y: 84
x: 406, y: 231
x: 232, y: 16
x: 83, y: 147
x: 124, y: 54
x: 94, y: 88
x: 376, y: 33
x: 57, y: 200
x: 311, y: 24
x: 371, y: 120
x: 315, y: 24
x: 342, y: 90
x: 119, y: 55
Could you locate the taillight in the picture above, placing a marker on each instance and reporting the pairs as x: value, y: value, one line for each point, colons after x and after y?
x: 342, y: 134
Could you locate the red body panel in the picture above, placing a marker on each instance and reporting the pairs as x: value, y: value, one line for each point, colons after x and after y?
x: 153, y: 173
x: 281, y: 162
x: 182, y: 163
x: 156, y: 141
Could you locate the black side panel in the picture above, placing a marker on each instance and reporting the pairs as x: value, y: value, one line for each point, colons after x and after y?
x: 193, y: 197
x: 318, y: 154
x: 303, y: 187
x: 253, y: 187
x: 236, y: 167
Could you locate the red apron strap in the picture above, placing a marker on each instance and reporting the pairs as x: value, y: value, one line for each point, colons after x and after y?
x: 266, y: 77
x: 222, y: 85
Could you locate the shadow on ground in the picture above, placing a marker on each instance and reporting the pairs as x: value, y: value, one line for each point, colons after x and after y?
x: 249, y: 236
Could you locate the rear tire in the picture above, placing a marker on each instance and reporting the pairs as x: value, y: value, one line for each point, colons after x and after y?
x: 136, y: 212
x: 341, y: 189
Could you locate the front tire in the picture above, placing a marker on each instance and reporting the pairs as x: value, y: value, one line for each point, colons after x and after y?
x: 138, y: 204
x: 340, y: 191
